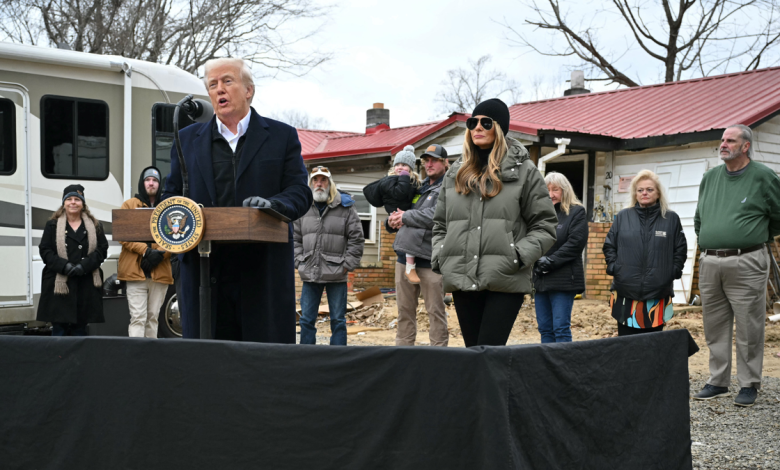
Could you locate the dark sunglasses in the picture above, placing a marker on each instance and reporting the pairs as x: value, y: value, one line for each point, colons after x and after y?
x: 471, y: 123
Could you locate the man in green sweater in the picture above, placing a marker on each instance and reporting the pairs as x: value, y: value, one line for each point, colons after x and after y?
x: 737, y: 214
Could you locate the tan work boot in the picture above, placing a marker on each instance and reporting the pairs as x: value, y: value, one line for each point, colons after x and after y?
x: 412, y: 277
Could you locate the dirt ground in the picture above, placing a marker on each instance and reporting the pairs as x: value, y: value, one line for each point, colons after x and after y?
x: 375, y: 326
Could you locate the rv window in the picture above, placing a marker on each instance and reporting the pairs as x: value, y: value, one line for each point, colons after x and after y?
x: 74, y: 138
x: 162, y: 135
x: 7, y: 137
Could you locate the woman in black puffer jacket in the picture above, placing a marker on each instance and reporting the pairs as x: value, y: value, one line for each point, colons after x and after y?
x: 558, y: 275
x: 645, y: 251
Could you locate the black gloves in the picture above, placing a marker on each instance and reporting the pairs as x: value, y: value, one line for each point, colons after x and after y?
x: 154, y: 257
x: 146, y: 266
x: 71, y: 270
x: 68, y: 269
x: 544, y: 264
x: 78, y: 270
x: 257, y: 202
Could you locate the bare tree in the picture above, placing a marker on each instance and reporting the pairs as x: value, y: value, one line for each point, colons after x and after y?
x: 691, y: 38
x: 185, y: 33
x: 300, y: 119
x: 465, y: 88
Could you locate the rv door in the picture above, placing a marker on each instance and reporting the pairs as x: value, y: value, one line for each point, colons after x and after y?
x: 16, y: 248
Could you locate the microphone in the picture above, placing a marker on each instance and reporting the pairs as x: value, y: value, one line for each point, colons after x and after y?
x: 197, y: 109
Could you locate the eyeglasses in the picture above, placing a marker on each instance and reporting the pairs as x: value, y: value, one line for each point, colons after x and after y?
x: 471, y: 123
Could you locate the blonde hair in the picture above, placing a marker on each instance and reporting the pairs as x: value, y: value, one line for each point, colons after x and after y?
x: 568, y: 198
x: 58, y: 213
x: 470, y: 176
x: 649, y: 175
x: 240, y: 64
x: 414, y: 177
x: 332, y: 191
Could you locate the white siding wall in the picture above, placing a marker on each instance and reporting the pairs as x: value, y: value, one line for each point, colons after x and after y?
x: 766, y: 141
x: 371, y: 250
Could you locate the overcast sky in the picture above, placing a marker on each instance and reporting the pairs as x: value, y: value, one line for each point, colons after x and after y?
x: 398, y: 53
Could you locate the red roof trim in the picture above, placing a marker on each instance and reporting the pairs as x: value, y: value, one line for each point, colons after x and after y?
x: 346, y: 153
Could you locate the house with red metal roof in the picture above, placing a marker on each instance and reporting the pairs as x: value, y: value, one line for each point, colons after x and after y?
x: 598, y: 140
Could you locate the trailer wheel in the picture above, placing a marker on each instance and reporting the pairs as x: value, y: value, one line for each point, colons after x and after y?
x: 170, y: 318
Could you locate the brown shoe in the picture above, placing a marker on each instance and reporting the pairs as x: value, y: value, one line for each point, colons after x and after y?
x: 412, y: 277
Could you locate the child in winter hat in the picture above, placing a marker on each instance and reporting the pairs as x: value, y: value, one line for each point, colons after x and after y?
x: 397, y: 191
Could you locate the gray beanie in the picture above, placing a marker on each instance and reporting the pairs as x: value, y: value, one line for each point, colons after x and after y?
x: 406, y: 156
x: 151, y: 172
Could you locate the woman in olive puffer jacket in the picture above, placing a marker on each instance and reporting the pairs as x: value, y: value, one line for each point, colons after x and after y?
x: 493, y: 220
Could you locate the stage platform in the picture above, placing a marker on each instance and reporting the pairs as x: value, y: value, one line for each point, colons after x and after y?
x: 122, y: 403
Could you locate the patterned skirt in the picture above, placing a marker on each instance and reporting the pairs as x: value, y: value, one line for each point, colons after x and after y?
x: 641, y: 313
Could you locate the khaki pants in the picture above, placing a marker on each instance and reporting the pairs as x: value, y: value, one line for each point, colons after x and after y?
x: 144, y: 298
x: 734, y: 289
x: 406, y: 297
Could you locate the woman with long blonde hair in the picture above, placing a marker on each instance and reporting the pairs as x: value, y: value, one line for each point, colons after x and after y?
x: 645, y: 251
x: 493, y: 220
x: 559, y: 274
x: 73, y: 247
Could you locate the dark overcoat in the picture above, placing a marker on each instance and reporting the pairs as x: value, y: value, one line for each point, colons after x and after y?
x: 84, y: 301
x: 566, y: 272
x: 271, y: 167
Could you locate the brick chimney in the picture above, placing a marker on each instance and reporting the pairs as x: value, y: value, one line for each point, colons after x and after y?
x: 577, y: 84
x: 377, y: 119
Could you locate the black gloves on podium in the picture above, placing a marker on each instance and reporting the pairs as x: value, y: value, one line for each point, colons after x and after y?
x: 257, y: 202
x: 262, y: 203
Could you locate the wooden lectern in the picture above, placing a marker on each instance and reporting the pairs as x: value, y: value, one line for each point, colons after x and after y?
x: 222, y: 224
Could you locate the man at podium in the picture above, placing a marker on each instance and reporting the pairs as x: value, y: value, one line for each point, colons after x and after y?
x: 240, y: 158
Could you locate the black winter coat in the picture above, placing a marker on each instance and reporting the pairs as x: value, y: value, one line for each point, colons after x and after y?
x: 393, y: 192
x: 84, y: 301
x: 645, y: 252
x: 270, y: 167
x: 566, y: 273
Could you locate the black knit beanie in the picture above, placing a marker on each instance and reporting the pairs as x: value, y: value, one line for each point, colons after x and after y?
x: 74, y: 190
x: 496, y: 109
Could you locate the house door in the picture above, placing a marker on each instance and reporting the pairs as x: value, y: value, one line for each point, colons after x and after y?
x: 681, y: 181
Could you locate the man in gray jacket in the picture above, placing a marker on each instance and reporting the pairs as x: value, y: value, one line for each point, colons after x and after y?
x: 414, y: 238
x: 328, y: 244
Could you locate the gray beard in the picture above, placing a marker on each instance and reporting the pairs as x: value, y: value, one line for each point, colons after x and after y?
x: 320, y: 195
x: 731, y: 156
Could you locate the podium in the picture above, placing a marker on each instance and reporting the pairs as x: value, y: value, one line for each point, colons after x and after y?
x: 221, y: 224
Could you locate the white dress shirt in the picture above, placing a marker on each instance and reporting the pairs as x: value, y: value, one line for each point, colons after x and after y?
x: 232, y: 139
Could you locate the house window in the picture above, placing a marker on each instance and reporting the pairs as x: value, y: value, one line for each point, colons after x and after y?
x: 74, y: 138
x: 366, y: 211
x: 7, y: 137
x: 162, y: 136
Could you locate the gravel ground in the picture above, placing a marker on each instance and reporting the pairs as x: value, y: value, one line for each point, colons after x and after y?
x: 726, y: 436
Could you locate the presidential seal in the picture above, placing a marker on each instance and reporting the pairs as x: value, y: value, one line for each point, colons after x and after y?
x: 177, y: 224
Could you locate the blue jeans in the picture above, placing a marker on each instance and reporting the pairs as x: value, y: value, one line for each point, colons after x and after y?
x: 311, y: 293
x: 68, y: 329
x: 553, y: 315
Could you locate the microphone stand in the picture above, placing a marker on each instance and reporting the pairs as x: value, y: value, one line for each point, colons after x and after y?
x: 204, y: 247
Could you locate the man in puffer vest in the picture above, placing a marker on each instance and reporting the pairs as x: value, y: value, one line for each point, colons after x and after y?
x: 144, y: 266
x: 328, y: 244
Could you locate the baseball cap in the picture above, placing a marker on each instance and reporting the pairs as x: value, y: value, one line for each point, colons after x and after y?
x: 320, y: 170
x: 436, y: 151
